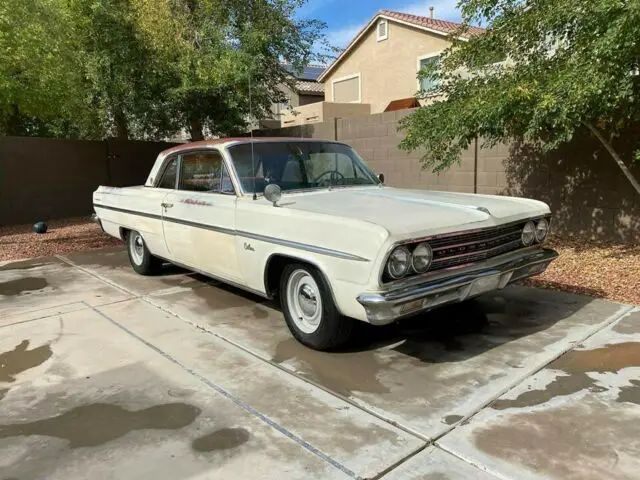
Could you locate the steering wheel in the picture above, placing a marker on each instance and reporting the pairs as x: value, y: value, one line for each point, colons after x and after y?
x: 335, y: 178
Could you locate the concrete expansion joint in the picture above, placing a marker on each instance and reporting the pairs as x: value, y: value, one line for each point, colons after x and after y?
x: 229, y: 396
x: 622, y: 312
x: 474, y: 464
x: 262, y: 359
x: 557, y: 350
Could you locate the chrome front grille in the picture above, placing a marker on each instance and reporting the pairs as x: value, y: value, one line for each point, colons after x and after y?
x: 465, y: 248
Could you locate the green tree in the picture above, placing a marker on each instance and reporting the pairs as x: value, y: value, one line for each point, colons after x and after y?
x: 543, y: 70
x: 145, y: 68
x: 127, y: 82
x: 41, y: 71
x: 219, y: 47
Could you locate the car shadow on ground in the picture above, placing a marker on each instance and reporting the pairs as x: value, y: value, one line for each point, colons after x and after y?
x: 450, y: 333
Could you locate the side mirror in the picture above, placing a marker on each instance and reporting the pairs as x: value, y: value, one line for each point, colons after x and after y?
x: 273, y: 193
x: 381, y: 177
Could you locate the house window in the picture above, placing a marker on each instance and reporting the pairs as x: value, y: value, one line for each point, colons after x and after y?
x: 347, y: 89
x: 428, y: 84
x: 383, y: 30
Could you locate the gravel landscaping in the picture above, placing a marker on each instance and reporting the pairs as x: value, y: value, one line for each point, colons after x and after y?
x: 599, y: 269
x: 63, y: 236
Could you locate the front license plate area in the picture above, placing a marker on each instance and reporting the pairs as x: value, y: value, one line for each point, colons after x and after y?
x: 485, y: 284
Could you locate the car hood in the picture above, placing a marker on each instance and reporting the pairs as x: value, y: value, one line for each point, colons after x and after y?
x: 415, y: 212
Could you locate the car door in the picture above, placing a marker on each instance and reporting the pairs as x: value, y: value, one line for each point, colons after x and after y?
x: 148, y: 204
x: 199, y: 216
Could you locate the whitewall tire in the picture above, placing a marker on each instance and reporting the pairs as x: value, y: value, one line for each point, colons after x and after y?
x: 309, y: 309
x: 139, y: 255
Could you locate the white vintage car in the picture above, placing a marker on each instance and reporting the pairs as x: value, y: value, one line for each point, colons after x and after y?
x: 307, y: 222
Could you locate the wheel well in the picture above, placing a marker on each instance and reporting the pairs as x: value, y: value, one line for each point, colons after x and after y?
x: 273, y: 271
x: 123, y: 233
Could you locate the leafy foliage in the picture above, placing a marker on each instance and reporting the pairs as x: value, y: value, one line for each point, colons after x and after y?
x: 562, y: 65
x: 40, y: 68
x: 146, y: 68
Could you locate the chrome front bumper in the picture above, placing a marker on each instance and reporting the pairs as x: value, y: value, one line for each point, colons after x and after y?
x: 385, y: 307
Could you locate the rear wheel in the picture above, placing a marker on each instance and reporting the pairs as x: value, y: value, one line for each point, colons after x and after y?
x: 309, y: 309
x: 139, y: 255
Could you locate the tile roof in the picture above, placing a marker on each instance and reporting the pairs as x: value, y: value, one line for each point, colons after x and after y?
x: 443, y: 26
x: 310, y: 88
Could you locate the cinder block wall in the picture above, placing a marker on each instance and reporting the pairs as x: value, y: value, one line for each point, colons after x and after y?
x: 585, y: 189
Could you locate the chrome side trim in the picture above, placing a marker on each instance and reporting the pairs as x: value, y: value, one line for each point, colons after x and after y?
x: 264, y: 238
x: 302, y: 246
x: 204, y: 226
x: 124, y: 210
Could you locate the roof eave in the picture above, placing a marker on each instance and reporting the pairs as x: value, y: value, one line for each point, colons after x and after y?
x: 364, y: 30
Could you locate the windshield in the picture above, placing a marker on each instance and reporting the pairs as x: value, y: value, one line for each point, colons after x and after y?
x: 299, y: 165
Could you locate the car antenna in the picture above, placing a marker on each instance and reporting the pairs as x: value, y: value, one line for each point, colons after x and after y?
x: 253, y: 167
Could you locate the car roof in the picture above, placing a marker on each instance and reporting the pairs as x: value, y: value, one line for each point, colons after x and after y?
x: 238, y: 140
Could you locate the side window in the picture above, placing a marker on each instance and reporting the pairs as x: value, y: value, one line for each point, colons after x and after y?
x: 168, y: 179
x: 204, y: 172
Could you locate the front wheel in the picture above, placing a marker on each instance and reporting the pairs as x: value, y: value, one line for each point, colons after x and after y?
x: 139, y: 255
x: 309, y: 309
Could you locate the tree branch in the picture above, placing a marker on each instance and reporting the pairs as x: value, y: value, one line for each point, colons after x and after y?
x: 614, y: 154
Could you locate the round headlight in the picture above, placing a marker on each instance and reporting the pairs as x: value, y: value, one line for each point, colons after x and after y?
x: 421, y: 258
x: 528, y: 234
x: 399, y: 262
x: 542, y: 230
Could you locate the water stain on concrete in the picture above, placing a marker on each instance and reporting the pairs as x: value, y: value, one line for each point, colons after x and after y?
x: 223, y: 439
x: 629, y: 325
x: 99, y: 423
x: 3, y: 392
x: 576, y: 365
x: 115, y: 257
x: 579, y: 441
x: 451, y: 419
x: 20, y: 359
x: 25, y: 265
x: 342, y: 373
x: 218, y: 298
x: 436, y: 476
x: 22, y: 286
x: 259, y: 313
x: 631, y: 393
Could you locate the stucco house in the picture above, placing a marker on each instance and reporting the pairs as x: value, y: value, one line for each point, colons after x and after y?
x: 381, y: 63
x: 306, y: 90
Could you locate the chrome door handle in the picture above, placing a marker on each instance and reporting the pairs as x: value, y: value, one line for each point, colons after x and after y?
x: 166, y: 205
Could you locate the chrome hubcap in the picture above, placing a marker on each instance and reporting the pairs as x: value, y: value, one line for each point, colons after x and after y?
x: 136, y: 246
x: 304, y: 301
x: 307, y: 300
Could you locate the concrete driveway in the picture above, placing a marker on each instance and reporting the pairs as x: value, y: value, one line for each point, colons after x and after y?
x: 104, y: 373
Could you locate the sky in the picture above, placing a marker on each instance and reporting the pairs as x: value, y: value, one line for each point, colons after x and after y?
x: 345, y: 18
